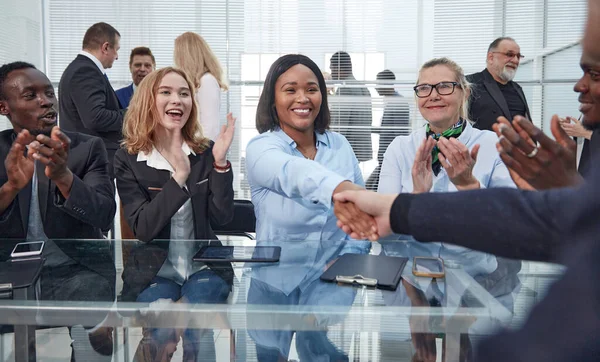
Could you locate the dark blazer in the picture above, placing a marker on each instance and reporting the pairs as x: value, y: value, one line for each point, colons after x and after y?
x: 487, y: 103
x: 88, y: 104
x: 558, y: 225
x: 91, y: 205
x: 591, y: 147
x: 150, y: 197
x: 124, y: 95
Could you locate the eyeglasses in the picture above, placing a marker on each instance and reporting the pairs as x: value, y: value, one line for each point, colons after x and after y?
x: 442, y: 88
x: 511, y: 55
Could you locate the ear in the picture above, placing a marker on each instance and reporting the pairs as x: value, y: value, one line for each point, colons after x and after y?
x: 4, y: 109
x: 105, y: 47
x: 490, y: 57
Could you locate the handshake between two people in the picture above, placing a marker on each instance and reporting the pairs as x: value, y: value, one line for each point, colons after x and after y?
x: 534, y: 161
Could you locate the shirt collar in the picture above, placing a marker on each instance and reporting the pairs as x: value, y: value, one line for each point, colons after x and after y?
x: 94, y: 59
x: 155, y: 160
x: 133, y: 86
x: 321, y: 138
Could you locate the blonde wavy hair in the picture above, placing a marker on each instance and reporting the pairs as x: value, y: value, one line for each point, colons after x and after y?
x: 463, y: 109
x: 193, y: 54
x: 143, y: 116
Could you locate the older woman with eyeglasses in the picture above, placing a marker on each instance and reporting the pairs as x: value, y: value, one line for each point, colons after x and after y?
x: 447, y: 154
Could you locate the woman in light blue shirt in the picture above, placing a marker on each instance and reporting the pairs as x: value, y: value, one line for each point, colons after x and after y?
x: 294, y: 167
x: 447, y: 154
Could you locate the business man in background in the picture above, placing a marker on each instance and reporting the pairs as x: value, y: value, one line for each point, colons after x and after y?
x: 88, y: 103
x: 141, y: 63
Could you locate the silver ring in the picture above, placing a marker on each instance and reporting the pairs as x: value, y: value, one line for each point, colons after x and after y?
x: 534, y: 152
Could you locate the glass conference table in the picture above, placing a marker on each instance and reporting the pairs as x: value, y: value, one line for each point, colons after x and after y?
x: 274, y: 311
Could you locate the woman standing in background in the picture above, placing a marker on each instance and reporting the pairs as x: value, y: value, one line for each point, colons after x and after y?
x: 193, y: 55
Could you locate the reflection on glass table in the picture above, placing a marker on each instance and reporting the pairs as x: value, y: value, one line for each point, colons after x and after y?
x: 280, y: 311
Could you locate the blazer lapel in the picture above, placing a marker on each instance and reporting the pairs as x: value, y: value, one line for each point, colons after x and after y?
x: 492, y: 88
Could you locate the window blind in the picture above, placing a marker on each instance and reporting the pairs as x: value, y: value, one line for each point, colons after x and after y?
x: 248, y: 35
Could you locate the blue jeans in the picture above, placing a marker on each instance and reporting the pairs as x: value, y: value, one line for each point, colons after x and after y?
x: 274, y: 345
x: 202, y: 287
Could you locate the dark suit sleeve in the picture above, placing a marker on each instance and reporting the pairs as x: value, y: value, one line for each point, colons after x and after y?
x: 220, y: 198
x: 89, y: 96
x: 92, y: 198
x: 505, y: 222
x: 146, y: 218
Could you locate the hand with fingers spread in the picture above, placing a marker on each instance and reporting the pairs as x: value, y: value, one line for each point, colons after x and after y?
x: 422, y: 174
x: 458, y: 162
x: 363, y: 225
x: 574, y: 128
x: 223, y: 143
x: 53, y: 153
x: 550, y: 164
x: 19, y: 169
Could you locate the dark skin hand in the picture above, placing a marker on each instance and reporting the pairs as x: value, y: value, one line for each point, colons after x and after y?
x: 53, y: 152
x: 19, y: 168
x: 553, y: 166
x: 360, y: 222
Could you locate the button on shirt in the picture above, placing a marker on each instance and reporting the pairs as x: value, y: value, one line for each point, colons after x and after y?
x: 396, y: 177
x: 178, y: 266
x: 292, y: 200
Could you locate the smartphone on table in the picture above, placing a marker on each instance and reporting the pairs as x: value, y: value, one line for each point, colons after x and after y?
x: 424, y: 266
x: 29, y: 248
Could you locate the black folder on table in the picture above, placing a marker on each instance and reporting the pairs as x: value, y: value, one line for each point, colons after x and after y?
x: 379, y: 271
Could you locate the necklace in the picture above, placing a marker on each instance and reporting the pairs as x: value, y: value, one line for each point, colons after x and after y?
x: 310, y: 156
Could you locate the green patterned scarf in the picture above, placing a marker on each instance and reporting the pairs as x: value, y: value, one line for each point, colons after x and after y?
x: 453, y: 132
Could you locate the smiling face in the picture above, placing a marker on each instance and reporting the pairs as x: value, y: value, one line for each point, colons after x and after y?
x: 502, y: 67
x: 173, y: 102
x: 442, y: 111
x: 141, y: 66
x: 30, y: 101
x: 297, y: 100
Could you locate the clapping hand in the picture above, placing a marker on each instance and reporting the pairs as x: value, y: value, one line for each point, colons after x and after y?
x: 574, y: 128
x: 19, y: 169
x: 458, y: 162
x: 422, y: 174
x: 533, y: 159
x: 53, y: 152
x: 223, y: 143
